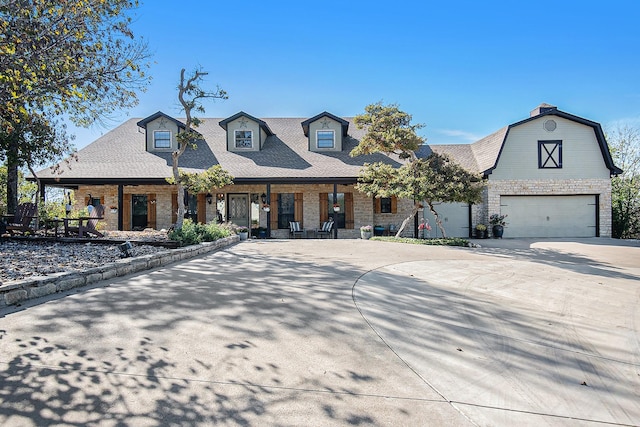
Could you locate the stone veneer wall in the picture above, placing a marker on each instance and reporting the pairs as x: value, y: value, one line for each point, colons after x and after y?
x: 109, y: 193
x: 363, y: 206
x: 602, y: 187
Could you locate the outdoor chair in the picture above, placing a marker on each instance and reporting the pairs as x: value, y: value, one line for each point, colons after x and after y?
x: 86, y: 225
x: 326, y: 229
x: 295, y: 229
x: 21, y: 220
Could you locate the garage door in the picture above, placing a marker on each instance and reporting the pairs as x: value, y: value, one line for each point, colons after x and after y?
x: 549, y: 216
x: 454, y: 217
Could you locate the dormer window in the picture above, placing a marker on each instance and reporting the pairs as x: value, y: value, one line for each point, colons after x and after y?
x: 244, y: 138
x: 162, y: 139
x: 325, y: 132
x: 326, y: 138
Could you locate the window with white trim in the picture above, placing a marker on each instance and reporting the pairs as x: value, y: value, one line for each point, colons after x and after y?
x: 325, y: 138
x: 243, y: 138
x: 161, y: 139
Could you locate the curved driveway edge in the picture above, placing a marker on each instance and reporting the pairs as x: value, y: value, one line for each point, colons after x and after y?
x: 543, y: 333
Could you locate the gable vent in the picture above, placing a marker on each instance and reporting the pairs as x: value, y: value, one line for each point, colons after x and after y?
x: 550, y: 125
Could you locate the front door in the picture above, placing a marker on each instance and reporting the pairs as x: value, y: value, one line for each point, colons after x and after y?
x: 239, y: 209
x: 139, y: 212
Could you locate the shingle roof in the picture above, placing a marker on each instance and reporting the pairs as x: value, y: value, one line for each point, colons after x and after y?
x: 120, y: 154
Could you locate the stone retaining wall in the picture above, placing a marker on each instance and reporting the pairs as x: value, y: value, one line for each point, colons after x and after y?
x: 39, y: 286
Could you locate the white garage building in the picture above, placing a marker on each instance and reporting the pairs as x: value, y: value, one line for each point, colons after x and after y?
x: 550, y: 174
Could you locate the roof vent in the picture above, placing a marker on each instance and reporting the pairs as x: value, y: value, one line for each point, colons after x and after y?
x: 541, y: 109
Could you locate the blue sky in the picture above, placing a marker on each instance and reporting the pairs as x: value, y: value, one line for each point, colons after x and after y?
x: 462, y: 68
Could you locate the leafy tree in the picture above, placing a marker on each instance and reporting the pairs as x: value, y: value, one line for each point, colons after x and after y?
x: 202, y: 182
x: 624, y: 143
x: 26, y: 190
x: 190, y: 95
x: 435, y: 178
x: 34, y: 142
x: 74, y: 57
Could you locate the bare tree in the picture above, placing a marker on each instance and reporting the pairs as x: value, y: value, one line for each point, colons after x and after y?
x: 190, y: 95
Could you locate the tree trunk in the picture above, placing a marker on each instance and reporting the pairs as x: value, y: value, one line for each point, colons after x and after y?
x: 176, y: 176
x: 12, y: 176
x: 414, y: 211
x: 437, y: 217
x: 37, y: 195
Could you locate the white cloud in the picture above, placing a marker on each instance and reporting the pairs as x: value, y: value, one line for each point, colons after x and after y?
x: 467, y: 136
x: 630, y: 121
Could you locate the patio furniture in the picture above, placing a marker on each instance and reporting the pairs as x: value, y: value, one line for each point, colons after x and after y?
x: 295, y: 229
x: 326, y: 229
x: 21, y: 220
x: 86, y: 225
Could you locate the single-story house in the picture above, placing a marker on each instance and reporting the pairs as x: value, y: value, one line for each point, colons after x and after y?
x: 550, y: 173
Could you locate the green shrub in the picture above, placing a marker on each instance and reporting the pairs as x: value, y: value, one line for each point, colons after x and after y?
x: 50, y: 210
x: 193, y: 233
x: 452, y: 241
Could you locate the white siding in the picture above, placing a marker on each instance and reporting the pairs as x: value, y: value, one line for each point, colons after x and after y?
x: 161, y: 123
x: 243, y: 123
x: 581, y: 156
x: 325, y: 123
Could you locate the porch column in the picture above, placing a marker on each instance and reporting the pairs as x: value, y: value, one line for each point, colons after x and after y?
x: 120, y: 205
x: 335, y: 200
x: 269, y: 213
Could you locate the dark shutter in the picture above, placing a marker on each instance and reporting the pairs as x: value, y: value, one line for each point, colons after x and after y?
x: 126, y: 212
x: 324, y: 207
x: 273, y: 204
x: 348, y: 210
x: 151, y: 210
x: 202, y: 208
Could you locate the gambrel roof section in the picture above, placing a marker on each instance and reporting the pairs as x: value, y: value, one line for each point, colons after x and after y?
x: 488, y: 150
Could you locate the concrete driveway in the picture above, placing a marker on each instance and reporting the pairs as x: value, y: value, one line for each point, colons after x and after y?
x: 339, y: 332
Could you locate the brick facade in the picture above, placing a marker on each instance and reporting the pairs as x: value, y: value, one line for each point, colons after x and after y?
x: 363, y: 206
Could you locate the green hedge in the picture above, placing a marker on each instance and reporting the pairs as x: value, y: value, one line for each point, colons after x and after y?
x: 193, y: 233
